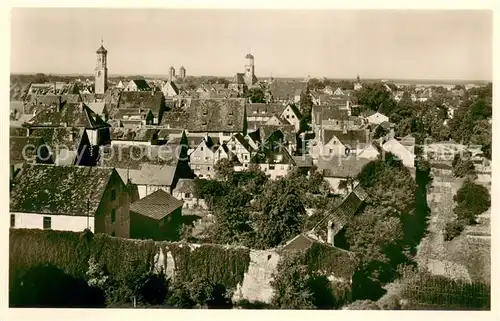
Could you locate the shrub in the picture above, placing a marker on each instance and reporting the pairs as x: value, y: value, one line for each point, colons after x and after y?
x: 152, y: 288
x: 362, y: 305
x: 472, y: 199
x: 45, y: 285
x: 453, y: 229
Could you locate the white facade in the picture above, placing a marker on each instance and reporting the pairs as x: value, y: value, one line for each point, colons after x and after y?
x: 130, y: 142
x: 275, y: 171
x: 396, y: 148
x: 291, y: 117
x: 57, y: 222
x: 377, y: 118
x: 369, y: 153
x: 145, y: 190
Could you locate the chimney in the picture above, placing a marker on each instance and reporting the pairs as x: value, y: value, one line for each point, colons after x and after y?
x: 330, y: 235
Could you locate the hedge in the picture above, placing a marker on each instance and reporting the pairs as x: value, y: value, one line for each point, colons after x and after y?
x: 71, y: 251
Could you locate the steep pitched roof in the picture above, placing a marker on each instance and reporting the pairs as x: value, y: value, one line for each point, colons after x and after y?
x: 19, y: 151
x: 68, y: 190
x: 216, y: 115
x: 133, y: 134
x: 282, y: 90
x: 176, y: 120
x: 264, y: 110
x: 343, y: 167
x: 288, y: 132
x: 156, y: 205
x: 351, y: 138
x: 149, y: 174
x: 141, y: 84
x: 345, y: 211
x: 238, y: 79
x: 305, y: 161
x: 329, y: 113
x: 133, y: 156
x: 185, y: 185
x: 69, y: 114
x: 142, y: 100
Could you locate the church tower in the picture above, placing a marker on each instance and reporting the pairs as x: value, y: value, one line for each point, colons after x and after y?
x: 249, y: 70
x: 101, y: 70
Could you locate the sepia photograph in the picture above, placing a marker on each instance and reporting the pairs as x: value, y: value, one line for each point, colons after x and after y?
x: 332, y: 159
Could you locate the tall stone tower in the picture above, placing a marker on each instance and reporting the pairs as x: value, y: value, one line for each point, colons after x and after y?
x: 101, y: 70
x: 182, y: 72
x: 249, y: 70
x: 171, y: 74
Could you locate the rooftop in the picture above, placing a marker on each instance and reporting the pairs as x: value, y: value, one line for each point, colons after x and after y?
x: 156, y: 205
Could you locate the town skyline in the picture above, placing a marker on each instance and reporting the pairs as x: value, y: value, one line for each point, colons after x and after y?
x: 398, y: 48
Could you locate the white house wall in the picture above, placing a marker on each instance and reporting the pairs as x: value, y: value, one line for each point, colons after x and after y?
x: 58, y: 222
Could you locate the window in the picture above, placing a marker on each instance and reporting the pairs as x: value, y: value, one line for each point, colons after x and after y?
x: 12, y: 220
x: 287, y: 116
x: 233, y: 147
x: 230, y: 122
x: 271, y: 167
x: 201, y: 148
x: 293, y: 116
x: 113, y: 233
x: 208, y: 168
x: 47, y: 223
x: 113, y: 215
x: 187, y: 195
x: 245, y: 157
x: 113, y: 194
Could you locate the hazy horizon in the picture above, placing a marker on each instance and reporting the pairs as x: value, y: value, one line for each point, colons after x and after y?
x: 341, y: 44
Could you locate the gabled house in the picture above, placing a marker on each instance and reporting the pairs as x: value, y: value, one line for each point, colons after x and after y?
x: 339, y: 92
x: 137, y: 85
x: 336, y: 220
x: 240, y: 147
x: 328, y: 90
x: 66, y: 145
x: 283, y: 135
x: 292, y: 115
x: 343, y: 142
x: 184, y: 191
x: 157, y: 216
x: 205, y: 156
x: 375, y: 118
x: 272, y: 159
x: 148, y: 167
x: 260, y: 112
x: 370, y: 152
x: 219, y: 118
x: 253, y: 138
x: 400, y: 151
x: 70, y: 198
x: 340, y: 171
x: 170, y: 89
x: 287, y: 92
x: 79, y: 115
x: 143, y: 101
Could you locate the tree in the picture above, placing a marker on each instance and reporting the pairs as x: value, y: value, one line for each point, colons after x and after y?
x: 306, y: 105
x: 297, y: 287
x: 224, y: 169
x: 376, y: 97
x: 363, y: 305
x: 463, y: 166
x: 472, y: 199
x: 281, y: 213
x: 380, y: 132
x: 256, y: 95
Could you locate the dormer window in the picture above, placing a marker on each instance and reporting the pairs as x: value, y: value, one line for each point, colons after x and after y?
x: 204, y: 122
x: 230, y: 122
x: 204, y: 113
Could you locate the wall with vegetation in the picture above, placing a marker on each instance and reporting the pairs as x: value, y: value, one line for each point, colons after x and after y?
x: 245, y: 272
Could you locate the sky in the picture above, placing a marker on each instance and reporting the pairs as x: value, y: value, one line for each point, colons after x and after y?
x: 390, y: 44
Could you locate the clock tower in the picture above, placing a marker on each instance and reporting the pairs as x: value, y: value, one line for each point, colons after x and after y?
x: 101, y: 70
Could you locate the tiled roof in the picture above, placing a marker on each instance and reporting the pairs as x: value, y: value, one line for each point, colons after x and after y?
x: 300, y: 242
x: 288, y: 132
x: 351, y: 138
x: 97, y: 107
x: 185, y: 185
x: 130, y: 156
x: 286, y: 90
x: 129, y: 113
x: 18, y: 91
x: 141, y: 84
x: 156, y: 205
x: 273, y: 156
x: 148, y: 174
x: 70, y: 114
x: 19, y: 151
x: 346, y: 210
x: 68, y: 190
x: 241, y: 139
x: 303, y: 161
x: 216, y: 115
x: 143, y: 100
x: 343, y: 167
x: 177, y: 120
x: 329, y: 113
x: 129, y: 134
